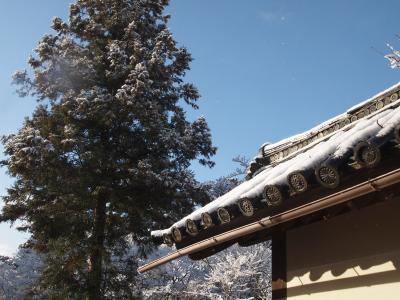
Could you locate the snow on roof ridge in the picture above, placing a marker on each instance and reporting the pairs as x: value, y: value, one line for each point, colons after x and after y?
x: 336, y: 146
x: 318, y: 127
x: 380, y: 94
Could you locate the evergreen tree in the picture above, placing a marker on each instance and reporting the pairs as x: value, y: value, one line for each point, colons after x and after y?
x: 105, y: 155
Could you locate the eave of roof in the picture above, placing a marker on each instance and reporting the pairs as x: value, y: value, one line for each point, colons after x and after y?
x: 378, y: 122
x: 378, y: 183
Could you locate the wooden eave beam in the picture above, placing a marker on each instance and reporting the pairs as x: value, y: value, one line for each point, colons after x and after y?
x: 364, y: 188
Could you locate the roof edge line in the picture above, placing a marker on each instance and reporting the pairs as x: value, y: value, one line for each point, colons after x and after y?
x: 348, y: 194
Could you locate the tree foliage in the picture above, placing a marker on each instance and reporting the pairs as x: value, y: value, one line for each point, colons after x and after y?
x: 235, y: 273
x: 105, y: 154
x: 220, y: 186
x: 393, y: 57
x: 18, y: 274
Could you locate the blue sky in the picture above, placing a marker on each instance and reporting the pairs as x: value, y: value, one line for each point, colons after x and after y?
x: 266, y: 69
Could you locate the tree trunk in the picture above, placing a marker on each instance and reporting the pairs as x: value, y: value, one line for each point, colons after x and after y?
x: 97, y: 248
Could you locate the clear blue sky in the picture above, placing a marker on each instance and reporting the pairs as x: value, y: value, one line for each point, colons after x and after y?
x: 265, y: 69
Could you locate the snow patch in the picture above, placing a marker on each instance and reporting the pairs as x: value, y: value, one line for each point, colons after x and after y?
x: 6, y: 250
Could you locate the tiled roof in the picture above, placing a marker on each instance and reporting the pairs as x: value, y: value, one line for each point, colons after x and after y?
x: 329, y: 157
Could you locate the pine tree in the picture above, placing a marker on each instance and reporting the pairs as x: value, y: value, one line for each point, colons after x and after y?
x: 105, y: 155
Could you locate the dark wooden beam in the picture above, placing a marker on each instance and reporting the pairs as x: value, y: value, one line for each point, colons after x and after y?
x: 279, y: 266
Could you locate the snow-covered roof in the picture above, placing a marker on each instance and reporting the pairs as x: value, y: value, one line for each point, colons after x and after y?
x: 289, y: 147
x: 332, y: 140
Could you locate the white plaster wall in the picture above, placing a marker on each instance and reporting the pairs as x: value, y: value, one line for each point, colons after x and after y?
x: 352, y: 256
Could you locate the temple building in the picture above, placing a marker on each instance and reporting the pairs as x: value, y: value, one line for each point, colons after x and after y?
x: 329, y: 199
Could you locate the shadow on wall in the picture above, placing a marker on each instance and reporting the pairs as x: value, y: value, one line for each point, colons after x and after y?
x: 359, y: 248
x: 346, y: 283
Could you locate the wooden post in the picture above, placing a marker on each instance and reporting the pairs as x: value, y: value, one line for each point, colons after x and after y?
x: 279, y: 267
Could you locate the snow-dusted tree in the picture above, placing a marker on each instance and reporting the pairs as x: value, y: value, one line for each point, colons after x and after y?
x: 235, y: 273
x: 176, y: 280
x: 393, y: 57
x: 224, y: 184
x: 239, y: 273
x: 18, y: 274
x: 6, y: 281
x: 105, y: 155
